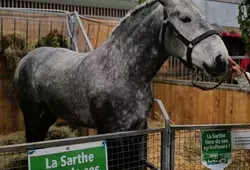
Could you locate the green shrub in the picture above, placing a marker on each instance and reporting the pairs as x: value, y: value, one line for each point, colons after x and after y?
x: 13, y: 47
x: 244, y: 22
x: 53, y: 39
x: 12, y: 51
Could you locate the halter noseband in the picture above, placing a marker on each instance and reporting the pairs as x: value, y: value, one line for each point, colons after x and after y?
x: 189, y: 44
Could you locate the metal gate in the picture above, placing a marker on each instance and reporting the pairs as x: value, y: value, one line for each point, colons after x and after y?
x: 35, y: 23
x: 16, y: 157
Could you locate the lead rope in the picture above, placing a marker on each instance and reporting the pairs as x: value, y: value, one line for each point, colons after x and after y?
x: 204, y: 88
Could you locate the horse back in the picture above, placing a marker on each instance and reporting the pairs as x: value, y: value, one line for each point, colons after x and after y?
x: 47, y: 77
x: 45, y: 67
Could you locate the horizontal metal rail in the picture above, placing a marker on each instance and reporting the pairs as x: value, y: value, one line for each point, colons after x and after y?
x: 239, y: 57
x: 227, y: 1
x: 174, y: 72
x: 70, y: 141
x: 32, y: 19
x: 100, y: 17
x: 223, y: 86
x: 210, y: 126
x: 36, y: 10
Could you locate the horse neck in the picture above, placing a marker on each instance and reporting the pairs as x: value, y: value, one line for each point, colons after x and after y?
x: 139, y: 46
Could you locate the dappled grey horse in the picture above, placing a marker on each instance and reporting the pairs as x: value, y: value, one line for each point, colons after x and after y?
x: 109, y: 88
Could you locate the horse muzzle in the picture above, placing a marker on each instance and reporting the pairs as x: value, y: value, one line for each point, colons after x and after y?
x: 218, y: 68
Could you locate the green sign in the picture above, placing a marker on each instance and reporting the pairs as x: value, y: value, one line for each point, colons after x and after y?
x: 87, y: 156
x: 216, y: 149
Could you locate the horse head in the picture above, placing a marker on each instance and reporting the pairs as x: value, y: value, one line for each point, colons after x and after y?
x: 187, y: 35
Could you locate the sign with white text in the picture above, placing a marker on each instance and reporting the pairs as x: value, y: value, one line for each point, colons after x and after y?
x: 87, y: 156
x: 216, y: 149
x: 241, y: 139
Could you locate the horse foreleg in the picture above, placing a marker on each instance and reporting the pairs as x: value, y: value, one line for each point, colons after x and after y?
x: 128, y: 152
x: 136, y: 147
x: 47, y: 119
x: 31, y: 113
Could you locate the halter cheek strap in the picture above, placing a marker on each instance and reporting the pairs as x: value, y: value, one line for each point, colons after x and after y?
x: 189, y: 44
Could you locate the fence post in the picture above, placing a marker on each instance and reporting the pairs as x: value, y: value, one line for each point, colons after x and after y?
x: 86, y: 38
x: 172, y: 149
x: 71, y: 23
x: 165, y: 147
x: 165, y: 139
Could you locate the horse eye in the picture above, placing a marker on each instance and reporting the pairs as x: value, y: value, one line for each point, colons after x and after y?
x: 185, y: 19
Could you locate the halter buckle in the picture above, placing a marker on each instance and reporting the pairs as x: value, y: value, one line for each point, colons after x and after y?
x: 190, y: 45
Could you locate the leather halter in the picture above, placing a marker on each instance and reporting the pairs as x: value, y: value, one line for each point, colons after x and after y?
x: 189, y: 44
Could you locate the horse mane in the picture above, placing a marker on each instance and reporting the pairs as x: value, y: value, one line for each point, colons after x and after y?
x: 132, y: 13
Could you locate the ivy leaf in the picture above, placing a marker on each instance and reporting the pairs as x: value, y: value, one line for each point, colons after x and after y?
x: 140, y: 2
x: 243, y: 19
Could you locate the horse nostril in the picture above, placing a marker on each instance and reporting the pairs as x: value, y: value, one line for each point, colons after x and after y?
x: 220, y: 63
x: 218, y: 59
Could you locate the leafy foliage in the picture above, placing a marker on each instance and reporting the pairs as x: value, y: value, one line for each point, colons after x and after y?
x: 14, y: 47
x: 12, y: 51
x: 244, y: 22
x: 140, y: 2
x: 53, y: 39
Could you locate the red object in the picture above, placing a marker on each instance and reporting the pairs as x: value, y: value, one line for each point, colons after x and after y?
x: 245, y: 63
x: 224, y: 34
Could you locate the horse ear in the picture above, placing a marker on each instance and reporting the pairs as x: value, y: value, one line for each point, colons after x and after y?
x: 163, y: 2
